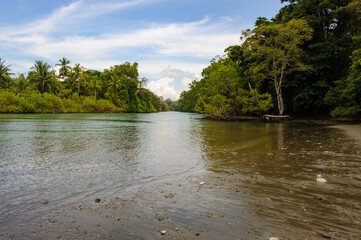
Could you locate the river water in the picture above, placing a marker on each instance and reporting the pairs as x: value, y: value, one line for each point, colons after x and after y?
x: 260, y: 178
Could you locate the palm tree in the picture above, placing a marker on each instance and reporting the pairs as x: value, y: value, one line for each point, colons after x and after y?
x: 4, y: 73
x: 64, y: 68
x: 42, y: 77
x: 95, y: 84
x: 78, y: 75
x: 115, y: 83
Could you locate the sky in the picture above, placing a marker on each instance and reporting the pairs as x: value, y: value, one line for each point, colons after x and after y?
x: 171, y: 40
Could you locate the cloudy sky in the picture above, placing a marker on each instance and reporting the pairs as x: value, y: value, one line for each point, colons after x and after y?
x: 172, y: 40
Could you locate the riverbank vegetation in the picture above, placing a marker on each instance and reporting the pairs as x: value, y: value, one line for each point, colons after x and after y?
x: 307, y: 59
x: 76, y: 89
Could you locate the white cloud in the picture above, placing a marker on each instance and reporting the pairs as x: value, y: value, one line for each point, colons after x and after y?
x: 162, y: 88
x: 194, y: 39
x: 188, y: 80
x: 18, y: 66
x: 169, y: 53
x: 157, y: 68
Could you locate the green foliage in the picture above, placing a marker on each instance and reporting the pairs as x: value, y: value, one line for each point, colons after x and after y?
x: 277, y: 47
x: 114, y: 90
x: 36, y: 102
x: 252, y: 102
x: 42, y: 78
x: 306, y: 57
x: 345, y: 97
x: 64, y: 68
x: 4, y: 74
x: 151, y: 102
x: 220, y: 92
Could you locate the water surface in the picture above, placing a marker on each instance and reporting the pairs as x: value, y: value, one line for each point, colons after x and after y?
x: 269, y: 169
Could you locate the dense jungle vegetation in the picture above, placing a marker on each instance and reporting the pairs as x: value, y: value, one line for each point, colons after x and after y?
x: 76, y: 89
x: 307, y: 59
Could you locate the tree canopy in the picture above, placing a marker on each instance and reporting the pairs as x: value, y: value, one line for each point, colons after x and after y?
x: 306, y: 59
x: 76, y: 89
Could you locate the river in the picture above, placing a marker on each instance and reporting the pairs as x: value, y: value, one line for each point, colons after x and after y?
x: 176, y: 172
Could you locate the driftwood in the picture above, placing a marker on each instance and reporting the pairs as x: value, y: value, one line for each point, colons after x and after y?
x: 268, y: 117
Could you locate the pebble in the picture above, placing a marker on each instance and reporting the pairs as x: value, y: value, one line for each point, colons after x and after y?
x: 326, y: 235
x: 45, y: 202
x: 319, y: 198
x: 201, y: 183
x: 321, y: 180
x: 274, y: 238
x: 163, y: 232
x: 97, y: 200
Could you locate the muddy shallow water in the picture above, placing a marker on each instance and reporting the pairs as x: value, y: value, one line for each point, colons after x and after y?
x: 258, y: 179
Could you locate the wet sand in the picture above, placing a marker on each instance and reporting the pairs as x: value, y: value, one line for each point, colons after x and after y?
x: 227, y: 206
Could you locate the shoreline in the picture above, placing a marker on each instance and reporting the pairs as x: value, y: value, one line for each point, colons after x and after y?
x: 317, y: 119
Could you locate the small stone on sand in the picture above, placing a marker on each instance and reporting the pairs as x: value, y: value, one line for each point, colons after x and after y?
x: 321, y: 180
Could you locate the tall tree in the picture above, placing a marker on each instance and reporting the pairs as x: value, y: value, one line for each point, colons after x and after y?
x: 95, y: 84
x: 4, y: 74
x: 43, y: 78
x: 78, y: 76
x: 64, y: 67
x: 276, y: 46
x: 114, y: 84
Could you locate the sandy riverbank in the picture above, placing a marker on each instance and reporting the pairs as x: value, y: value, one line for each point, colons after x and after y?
x: 224, y: 207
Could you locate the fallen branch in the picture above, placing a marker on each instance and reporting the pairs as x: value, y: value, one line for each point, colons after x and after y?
x: 268, y: 117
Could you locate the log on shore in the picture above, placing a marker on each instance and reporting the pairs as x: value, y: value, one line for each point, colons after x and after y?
x: 268, y: 117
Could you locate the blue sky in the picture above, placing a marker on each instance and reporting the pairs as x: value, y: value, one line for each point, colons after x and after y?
x: 172, y: 40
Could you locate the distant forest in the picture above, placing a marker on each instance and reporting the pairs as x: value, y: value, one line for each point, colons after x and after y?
x: 76, y: 90
x: 306, y: 60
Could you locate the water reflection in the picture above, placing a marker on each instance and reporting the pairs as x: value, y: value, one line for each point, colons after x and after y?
x: 276, y: 167
x: 66, y: 158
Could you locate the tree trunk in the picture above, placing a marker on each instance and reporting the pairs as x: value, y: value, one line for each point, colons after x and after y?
x: 324, y: 28
x: 279, y: 98
x: 280, y: 104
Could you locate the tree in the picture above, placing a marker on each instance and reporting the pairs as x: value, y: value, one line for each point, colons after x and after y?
x: 4, y: 74
x: 115, y: 83
x: 42, y: 78
x: 20, y: 83
x: 276, y: 47
x: 64, y: 68
x: 95, y: 84
x: 143, y: 82
x: 346, y: 95
x: 334, y: 23
x: 77, y: 76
